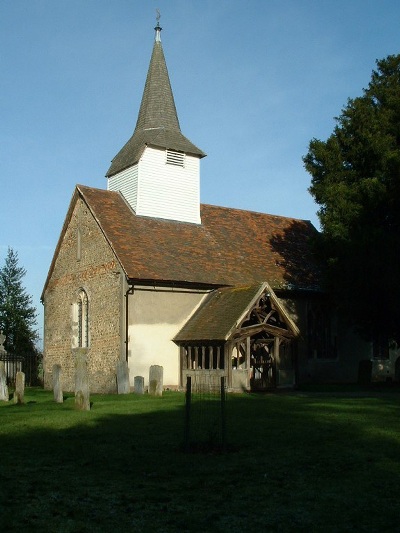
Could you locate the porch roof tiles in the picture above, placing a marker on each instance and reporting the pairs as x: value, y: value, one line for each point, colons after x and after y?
x: 219, y: 315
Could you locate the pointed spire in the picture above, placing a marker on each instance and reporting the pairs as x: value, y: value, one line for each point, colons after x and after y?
x: 157, y: 122
x: 157, y: 109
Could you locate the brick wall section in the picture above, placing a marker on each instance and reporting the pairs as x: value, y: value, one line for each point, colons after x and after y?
x: 98, y: 273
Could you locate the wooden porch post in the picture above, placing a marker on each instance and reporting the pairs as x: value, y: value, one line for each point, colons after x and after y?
x: 228, y: 362
x: 277, y: 359
x: 248, y: 361
x: 218, y: 357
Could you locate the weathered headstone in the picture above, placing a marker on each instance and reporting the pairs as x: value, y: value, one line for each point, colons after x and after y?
x: 81, y: 403
x: 123, y: 377
x: 156, y: 380
x: 19, y: 387
x: 57, y: 389
x: 82, y: 394
x: 2, y: 339
x: 138, y: 385
x: 3, y: 383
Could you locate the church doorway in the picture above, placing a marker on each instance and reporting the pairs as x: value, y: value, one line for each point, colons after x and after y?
x: 262, y: 365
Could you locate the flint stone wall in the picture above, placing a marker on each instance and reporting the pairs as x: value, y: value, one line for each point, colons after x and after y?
x: 84, y: 261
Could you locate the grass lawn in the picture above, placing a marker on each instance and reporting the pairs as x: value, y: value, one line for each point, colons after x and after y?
x: 304, y: 461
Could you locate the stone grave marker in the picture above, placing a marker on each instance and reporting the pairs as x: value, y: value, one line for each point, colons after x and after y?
x: 19, y: 387
x: 3, y: 383
x: 2, y: 339
x: 156, y: 380
x: 82, y: 394
x: 138, y: 385
x: 57, y: 390
x: 123, y: 378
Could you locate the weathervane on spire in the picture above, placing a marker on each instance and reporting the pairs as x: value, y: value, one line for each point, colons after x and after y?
x: 158, y: 27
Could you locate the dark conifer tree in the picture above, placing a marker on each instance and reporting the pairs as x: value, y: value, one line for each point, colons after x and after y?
x: 356, y: 181
x: 17, y: 313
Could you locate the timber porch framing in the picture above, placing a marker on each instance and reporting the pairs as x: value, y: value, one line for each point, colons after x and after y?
x: 237, y: 332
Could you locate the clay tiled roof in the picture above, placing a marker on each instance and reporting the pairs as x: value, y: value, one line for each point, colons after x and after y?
x: 230, y: 247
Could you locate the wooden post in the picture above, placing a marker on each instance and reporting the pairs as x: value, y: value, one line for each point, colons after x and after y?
x: 223, y: 414
x: 277, y: 359
x: 228, y: 362
x: 188, y: 413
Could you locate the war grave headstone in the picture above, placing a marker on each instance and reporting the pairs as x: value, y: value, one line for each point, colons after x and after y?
x: 138, y: 385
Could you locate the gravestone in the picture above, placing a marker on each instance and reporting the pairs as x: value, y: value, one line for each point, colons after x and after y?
x: 82, y: 394
x: 156, y: 380
x: 81, y: 403
x: 138, y: 385
x: 2, y: 339
x: 123, y: 377
x: 3, y: 383
x: 57, y: 390
x: 19, y: 387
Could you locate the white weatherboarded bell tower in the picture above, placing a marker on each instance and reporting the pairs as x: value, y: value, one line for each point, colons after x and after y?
x: 158, y: 169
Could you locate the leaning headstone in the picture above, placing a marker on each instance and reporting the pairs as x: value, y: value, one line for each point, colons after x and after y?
x: 156, y: 380
x: 19, y: 387
x: 82, y: 395
x: 3, y: 383
x: 138, y: 385
x: 57, y: 390
x: 123, y: 377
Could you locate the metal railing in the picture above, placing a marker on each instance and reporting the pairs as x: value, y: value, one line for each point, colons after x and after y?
x: 27, y: 363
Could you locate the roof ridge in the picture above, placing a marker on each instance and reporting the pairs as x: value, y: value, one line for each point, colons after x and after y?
x: 253, y: 212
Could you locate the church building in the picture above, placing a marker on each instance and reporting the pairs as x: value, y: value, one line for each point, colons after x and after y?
x: 145, y: 273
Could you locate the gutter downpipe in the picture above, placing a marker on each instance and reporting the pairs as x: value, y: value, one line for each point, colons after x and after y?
x: 130, y: 291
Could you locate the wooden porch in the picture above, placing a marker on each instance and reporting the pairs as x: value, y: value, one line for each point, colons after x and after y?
x: 255, y: 354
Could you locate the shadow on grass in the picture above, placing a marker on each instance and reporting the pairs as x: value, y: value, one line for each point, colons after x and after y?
x: 302, y: 463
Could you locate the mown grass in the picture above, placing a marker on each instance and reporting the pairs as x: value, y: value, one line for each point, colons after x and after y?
x: 306, y: 461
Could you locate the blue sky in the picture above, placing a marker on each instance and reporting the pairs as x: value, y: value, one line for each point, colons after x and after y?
x: 254, y: 81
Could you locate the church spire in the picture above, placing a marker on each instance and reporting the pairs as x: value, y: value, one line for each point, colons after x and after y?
x: 158, y: 169
x: 157, y: 109
x: 157, y: 122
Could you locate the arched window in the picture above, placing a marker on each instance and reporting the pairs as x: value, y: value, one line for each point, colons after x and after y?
x: 83, y: 320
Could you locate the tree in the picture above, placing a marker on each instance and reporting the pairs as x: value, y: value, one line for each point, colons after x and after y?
x: 356, y: 182
x: 17, y: 314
